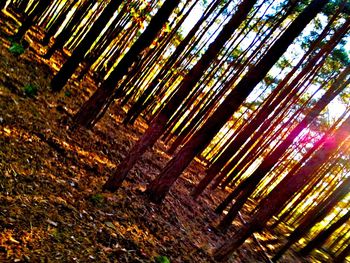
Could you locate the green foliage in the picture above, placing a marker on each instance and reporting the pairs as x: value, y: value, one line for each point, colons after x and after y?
x: 67, y: 93
x: 30, y: 90
x: 16, y: 49
x: 161, y: 259
x: 97, y: 199
x: 341, y: 55
x: 332, y: 5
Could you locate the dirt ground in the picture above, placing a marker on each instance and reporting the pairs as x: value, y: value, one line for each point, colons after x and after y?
x: 52, y: 208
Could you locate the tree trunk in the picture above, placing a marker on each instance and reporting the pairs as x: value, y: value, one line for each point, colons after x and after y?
x: 292, y: 183
x: 100, y: 99
x: 317, y: 214
x: 66, y: 32
x: 161, y: 185
x: 342, y: 256
x: 30, y: 20
x: 247, y: 187
x: 68, y: 68
x: 243, y: 135
x: 157, y: 125
x: 321, y: 238
x: 57, y: 23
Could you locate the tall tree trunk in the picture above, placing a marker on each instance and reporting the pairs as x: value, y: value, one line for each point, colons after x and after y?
x: 245, y: 189
x: 292, y: 183
x: 161, y: 185
x: 67, y: 31
x: 243, y: 135
x: 2, y: 4
x: 342, y: 255
x: 31, y: 19
x: 96, y: 104
x: 318, y: 213
x: 138, y: 106
x: 68, y: 68
x: 321, y: 238
x: 157, y: 126
x: 58, y: 22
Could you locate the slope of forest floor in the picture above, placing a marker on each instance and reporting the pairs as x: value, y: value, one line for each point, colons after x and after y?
x: 52, y: 208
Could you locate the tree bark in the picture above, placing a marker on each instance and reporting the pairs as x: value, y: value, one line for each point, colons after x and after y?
x: 161, y: 185
x: 321, y: 238
x: 30, y: 20
x: 245, y: 189
x: 100, y: 99
x: 68, y: 68
x: 157, y: 125
x: 342, y: 255
x: 277, y: 198
x: 66, y: 32
x: 243, y: 135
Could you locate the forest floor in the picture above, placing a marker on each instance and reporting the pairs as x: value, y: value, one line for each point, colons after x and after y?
x: 52, y: 208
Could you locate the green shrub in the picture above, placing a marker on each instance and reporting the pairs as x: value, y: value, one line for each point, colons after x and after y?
x: 161, y: 259
x: 30, y: 90
x: 16, y: 49
x: 97, y: 199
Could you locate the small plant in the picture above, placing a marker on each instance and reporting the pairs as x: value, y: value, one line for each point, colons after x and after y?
x: 97, y: 199
x: 30, y: 90
x: 16, y: 49
x: 161, y: 259
x: 67, y: 93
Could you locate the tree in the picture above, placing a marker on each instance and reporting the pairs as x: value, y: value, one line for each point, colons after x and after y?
x: 68, y: 68
x: 244, y: 190
x: 31, y: 19
x: 157, y: 126
x: 281, y: 95
x: 161, y: 185
x: 69, y: 28
x: 321, y: 238
x: 278, y: 197
x: 104, y: 95
x: 141, y: 102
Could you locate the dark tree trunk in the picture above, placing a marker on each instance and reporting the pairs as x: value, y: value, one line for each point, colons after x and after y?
x: 31, y: 19
x: 57, y: 23
x: 2, y: 4
x: 317, y: 214
x: 321, y: 238
x: 342, y: 255
x: 245, y: 189
x: 243, y: 135
x: 161, y: 185
x: 68, y: 68
x: 138, y: 106
x: 157, y: 126
x: 66, y: 33
x: 292, y: 183
x: 92, y: 108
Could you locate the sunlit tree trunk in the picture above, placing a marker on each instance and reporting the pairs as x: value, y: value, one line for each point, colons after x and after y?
x: 277, y: 198
x: 67, y: 31
x: 318, y: 213
x: 68, y: 68
x: 141, y: 102
x: 244, y: 190
x: 342, y: 255
x: 157, y: 125
x: 243, y: 135
x: 92, y: 108
x: 161, y: 185
x: 58, y: 22
x: 321, y: 238
x: 31, y: 19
